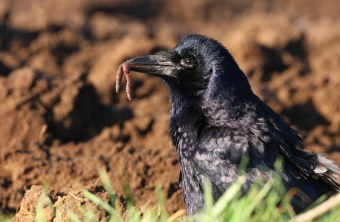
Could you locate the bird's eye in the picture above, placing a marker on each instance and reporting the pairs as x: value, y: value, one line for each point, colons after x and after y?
x: 188, y: 63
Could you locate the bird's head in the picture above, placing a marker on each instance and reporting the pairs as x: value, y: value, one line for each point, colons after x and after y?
x: 198, y: 66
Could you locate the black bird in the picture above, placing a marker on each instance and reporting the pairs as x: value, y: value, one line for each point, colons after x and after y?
x: 216, y: 120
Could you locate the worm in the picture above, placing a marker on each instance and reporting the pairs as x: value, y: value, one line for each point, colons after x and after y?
x: 119, y: 77
x: 124, y: 69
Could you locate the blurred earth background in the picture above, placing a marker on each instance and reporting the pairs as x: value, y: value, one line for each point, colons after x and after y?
x: 61, y: 121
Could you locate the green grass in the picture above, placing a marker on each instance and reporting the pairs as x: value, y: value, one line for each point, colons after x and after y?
x: 262, y: 203
x: 5, y: 217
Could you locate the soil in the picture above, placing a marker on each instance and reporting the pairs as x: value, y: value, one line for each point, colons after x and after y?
x: 61, y: 120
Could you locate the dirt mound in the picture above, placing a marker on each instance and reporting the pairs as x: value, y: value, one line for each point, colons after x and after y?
x: 58, y: 206
x: 61, y: 120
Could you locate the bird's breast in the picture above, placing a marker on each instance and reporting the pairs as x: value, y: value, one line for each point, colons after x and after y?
x: 184, y: 141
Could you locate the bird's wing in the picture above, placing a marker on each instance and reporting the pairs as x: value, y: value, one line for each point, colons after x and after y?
x: 277, y: 134
x: 308, y: 165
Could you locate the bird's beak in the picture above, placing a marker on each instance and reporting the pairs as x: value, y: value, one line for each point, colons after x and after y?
x: 159, y: 64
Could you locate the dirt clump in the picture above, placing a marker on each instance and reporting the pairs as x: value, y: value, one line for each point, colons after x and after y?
x: 59, y: 206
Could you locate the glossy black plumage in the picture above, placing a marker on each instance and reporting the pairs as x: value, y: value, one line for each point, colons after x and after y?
x: 216, y: 120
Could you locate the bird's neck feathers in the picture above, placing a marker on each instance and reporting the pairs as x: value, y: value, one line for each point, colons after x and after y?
x: 227, y: 95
